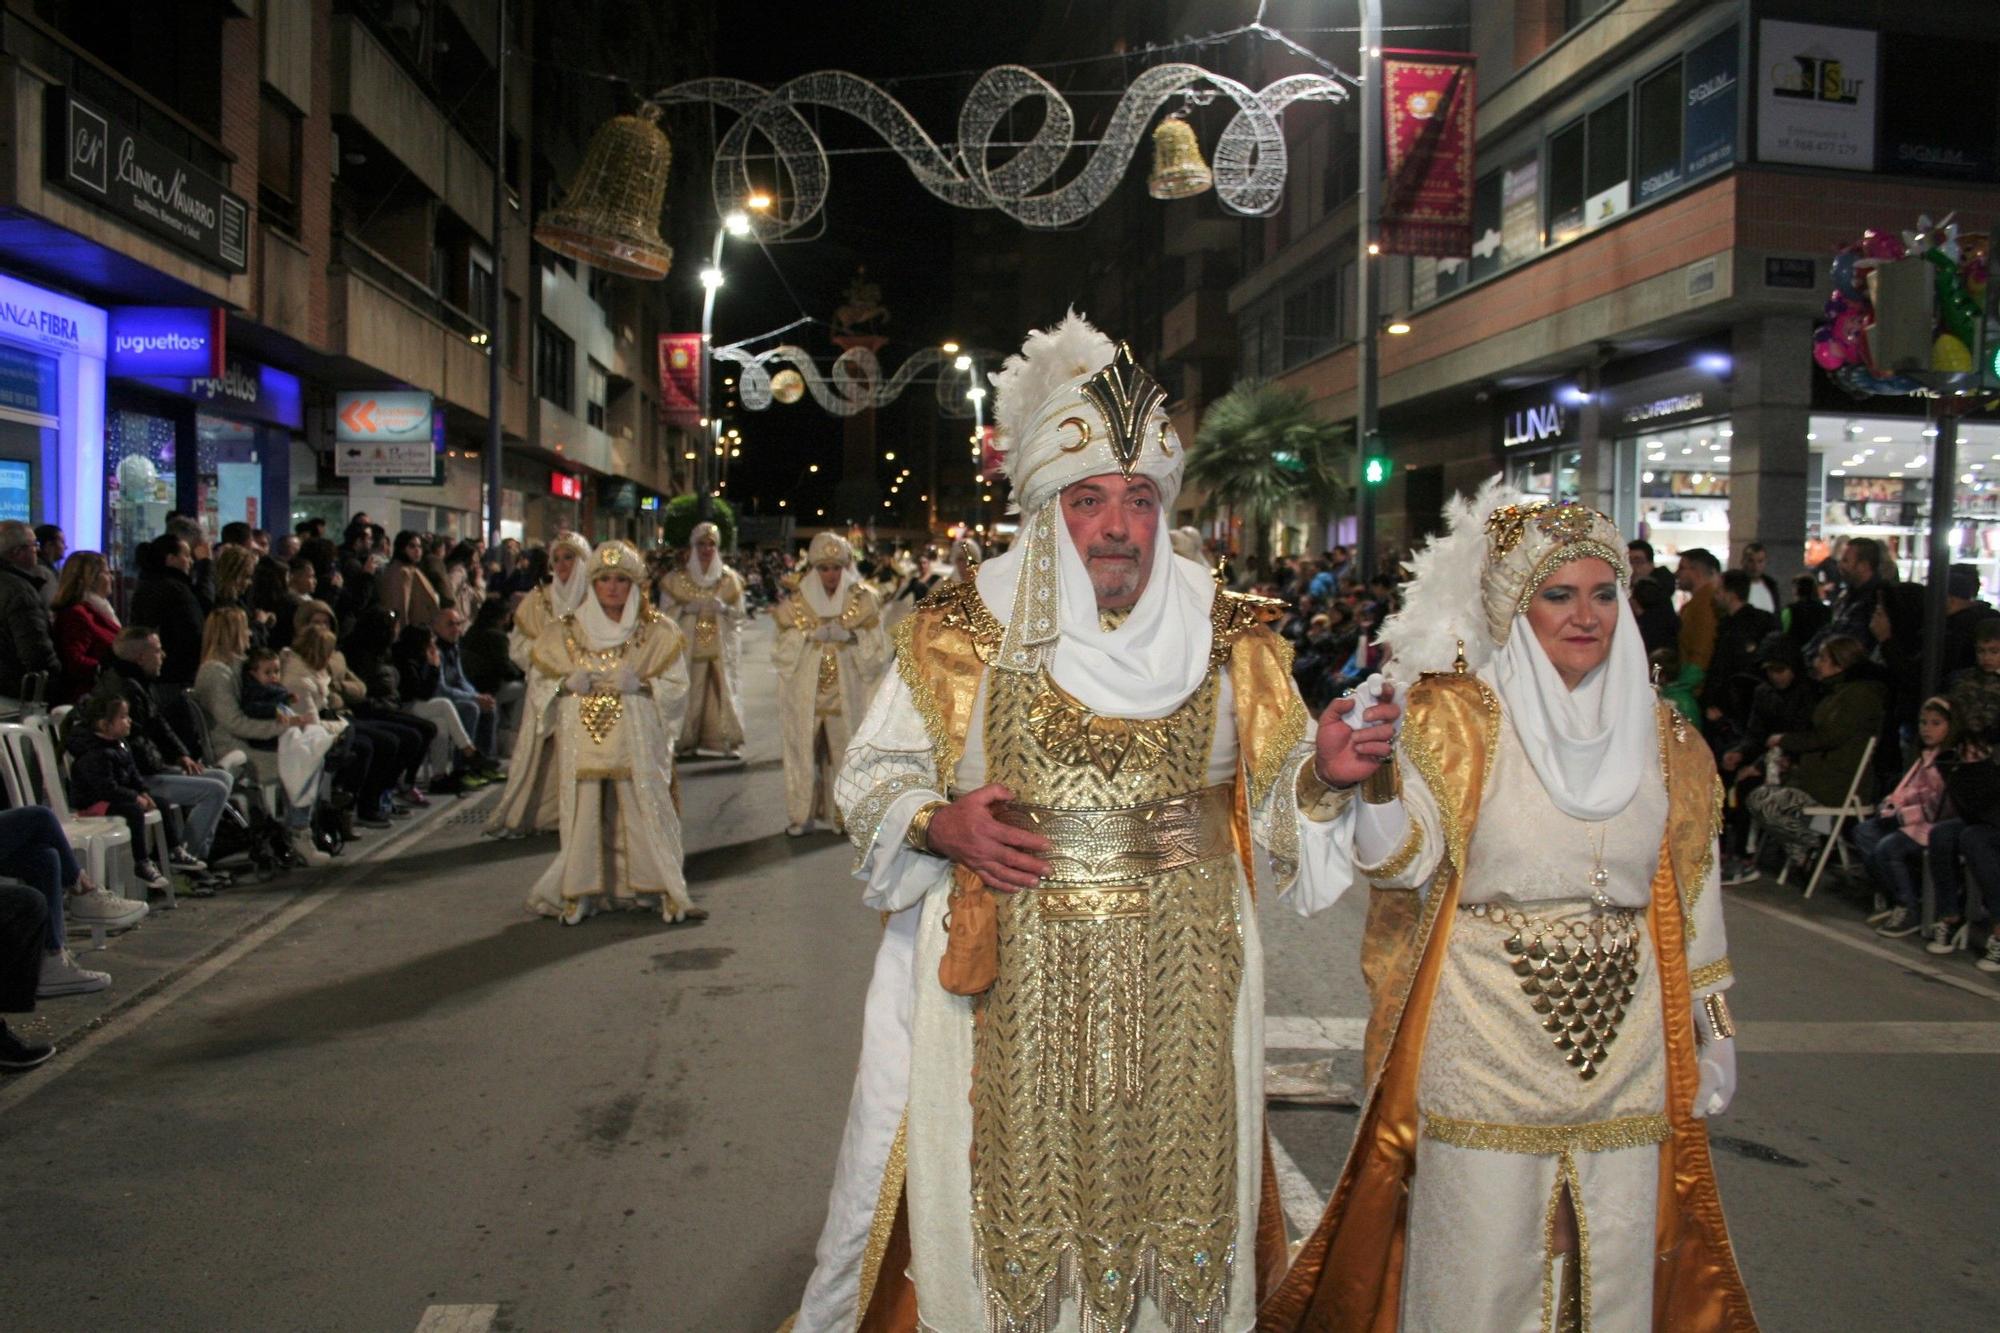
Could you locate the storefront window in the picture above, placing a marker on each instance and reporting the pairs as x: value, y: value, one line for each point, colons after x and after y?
x: 231, y: 472
x: 1555, y: 476
x: 139, y: 484
x: 1873, y: 477
x: 1684, y: 488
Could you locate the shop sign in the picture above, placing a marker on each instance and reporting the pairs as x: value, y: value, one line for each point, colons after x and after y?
x: 1674, y: 405
x: 1816, y: 98
x: 32, y: 315
x: 170, y: 342
x: 649, y: 504
x: 108, y: 162
x: 565, y: 485
x: 28, y: 382
x: 1532, y: 425
x: 1708, y: 127
x: 244, y: 391
x: 384, y: 434
x: 1783, y: 271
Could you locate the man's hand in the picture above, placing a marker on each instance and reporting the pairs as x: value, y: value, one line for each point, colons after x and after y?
x: 1342, y: 755
x: 485, y: 702
x: 191, y: 766
x: 146, y: 803
x: 1004, y: 857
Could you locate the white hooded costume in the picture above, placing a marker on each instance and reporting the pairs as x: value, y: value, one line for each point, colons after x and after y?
x: 706, y: 599
x: 530, y: 803
x: 829, y: 653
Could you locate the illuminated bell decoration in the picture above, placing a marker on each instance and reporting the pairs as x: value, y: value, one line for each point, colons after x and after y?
x: 610, y: 219
x: 788, y: 386
x: 1178, y: 169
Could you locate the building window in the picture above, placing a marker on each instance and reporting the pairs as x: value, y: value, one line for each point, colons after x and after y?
x: 479, y: 286
x: 555, y: 365
x: 1486, y: 227
x: 1576, y: 13
x: 1566, y: 184
x: 596, y: 390
x: 1312, y: 320
x: 1608, y: 166
x: 278, y: 163
x: 1656, y: 141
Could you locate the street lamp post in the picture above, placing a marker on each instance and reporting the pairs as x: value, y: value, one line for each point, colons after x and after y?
x: 736, y: 222
x: 1367, y: 396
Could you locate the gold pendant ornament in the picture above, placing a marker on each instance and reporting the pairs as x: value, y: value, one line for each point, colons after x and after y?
x: 1578, y: 975
x: 599, y: 714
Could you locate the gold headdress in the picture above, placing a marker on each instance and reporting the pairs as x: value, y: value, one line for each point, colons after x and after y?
x: 1527, y: 542
x: 617, y: 558
x: 830, y: 548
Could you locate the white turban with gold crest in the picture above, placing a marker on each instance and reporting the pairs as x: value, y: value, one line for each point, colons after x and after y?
x: 1070, y: 406
x: 828, y: 548
x: 600, y: 631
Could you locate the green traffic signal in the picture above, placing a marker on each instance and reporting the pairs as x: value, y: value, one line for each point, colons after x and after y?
x: 1375, y: 470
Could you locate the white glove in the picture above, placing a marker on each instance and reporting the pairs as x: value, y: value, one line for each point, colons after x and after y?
x: 1716, y: 1066
x: 580, y: 682
x: 627, y: 681
x: 1366, y: 695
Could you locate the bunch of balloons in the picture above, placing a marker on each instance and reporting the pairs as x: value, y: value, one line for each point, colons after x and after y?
x: 1959, y: 266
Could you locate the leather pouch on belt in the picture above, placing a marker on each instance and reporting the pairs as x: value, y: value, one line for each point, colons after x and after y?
x: 971, y: 959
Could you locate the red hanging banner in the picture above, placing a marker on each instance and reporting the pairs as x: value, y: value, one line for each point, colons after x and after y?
x: 680, y: 379
x: 1427, y: 153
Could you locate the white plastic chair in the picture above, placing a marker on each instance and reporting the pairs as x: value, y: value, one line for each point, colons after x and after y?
x: 155, y: 822
x: 1850, y: 807
x: 30, y: 780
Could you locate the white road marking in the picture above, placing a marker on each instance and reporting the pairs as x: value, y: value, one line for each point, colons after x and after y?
x: 1888, y: 1038
x: 1303, y: 1204
x: 458, y: 1319
x: 1902, y: 957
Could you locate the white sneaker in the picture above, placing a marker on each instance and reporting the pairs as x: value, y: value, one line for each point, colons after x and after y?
x: 62, y: 976
x: 183, y: 859
x: 101, y: 907
x: 798, y: 830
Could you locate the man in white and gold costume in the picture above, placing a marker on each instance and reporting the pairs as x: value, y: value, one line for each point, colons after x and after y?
x: 1546, y: 958
x: 619, y: 669
x: 830, y: 653
x: 1058, y: 1121
x: 532, y: 802
x: 706, y: 597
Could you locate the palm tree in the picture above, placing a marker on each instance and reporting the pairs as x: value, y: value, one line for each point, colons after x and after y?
x: 1260, y: 448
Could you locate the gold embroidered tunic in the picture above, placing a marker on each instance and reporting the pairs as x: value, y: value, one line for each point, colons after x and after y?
x: 714, y: 718
x: 823, y: 688
x: 531, y: 802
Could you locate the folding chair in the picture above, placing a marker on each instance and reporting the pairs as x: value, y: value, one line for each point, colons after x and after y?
x: 1850, y: 807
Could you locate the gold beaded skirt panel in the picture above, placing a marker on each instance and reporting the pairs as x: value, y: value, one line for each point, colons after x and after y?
x: 1104, y: 1083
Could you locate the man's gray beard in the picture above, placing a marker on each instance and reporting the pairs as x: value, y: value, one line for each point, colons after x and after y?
x: 1111, y: 586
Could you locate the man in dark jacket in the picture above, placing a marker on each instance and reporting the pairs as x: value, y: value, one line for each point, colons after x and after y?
x: 1732, y: 672
x: 1861, y: 563
x: 1783, y: 702
x: 1970, y: 840
x: 165, y: 601
x: 174, y: 774
x: 27, y: 636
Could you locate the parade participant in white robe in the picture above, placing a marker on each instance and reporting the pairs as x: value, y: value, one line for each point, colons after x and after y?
x: 705, y: 596
x: 830, y: 652
x: 620, y: 670
x: 531, y: 803
x: 1546, y: 959
x: 964, y: 559
x: 1058, y: 1120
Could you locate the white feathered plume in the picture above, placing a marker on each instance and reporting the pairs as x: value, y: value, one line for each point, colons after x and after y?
x: 1048, y: 358
x: 1442, y: 602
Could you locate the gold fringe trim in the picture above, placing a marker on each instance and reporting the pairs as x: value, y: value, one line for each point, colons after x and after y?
x: 912, y: 673
x: 893, y: 1172
x: 1632, y: 1131
x: 1710, y: 973
x: 1400, y: 862
x: 1285, y: 737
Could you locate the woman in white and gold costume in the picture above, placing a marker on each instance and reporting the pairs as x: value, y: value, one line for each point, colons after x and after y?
x: 620, y: 674
x: 1546, y: 959
x: 830, y: 652
x: 531, y: 801
x: 705, y: 596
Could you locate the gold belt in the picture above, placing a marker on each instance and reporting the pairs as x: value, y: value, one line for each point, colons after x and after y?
x: 1101, y: 861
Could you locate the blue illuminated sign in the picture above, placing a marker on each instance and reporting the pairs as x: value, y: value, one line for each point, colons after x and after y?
x: 32, y: 315
x: 165, y: 341
x: 16, y: 488
x: 247, y: 391
x: 28, y: 382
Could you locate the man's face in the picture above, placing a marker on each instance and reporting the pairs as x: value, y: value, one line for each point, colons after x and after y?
x: 1687, y: 577
x: 180, y: 558
x: 1754, y: 562
x: 304, y: 580
x: 450, y: 625
x: 1728, y: 601
x: 260, y: 542
x: 55, y: 548
x: 1642, y: 564
x: 1852, y: 568
x: 1114, y: 523
x: 1780, y: 675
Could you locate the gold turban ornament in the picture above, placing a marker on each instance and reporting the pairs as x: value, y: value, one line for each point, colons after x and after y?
x: 829, y: 548
x: 617, y: 558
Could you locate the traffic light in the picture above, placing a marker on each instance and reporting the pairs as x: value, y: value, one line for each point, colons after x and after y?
x: 1375, y: 470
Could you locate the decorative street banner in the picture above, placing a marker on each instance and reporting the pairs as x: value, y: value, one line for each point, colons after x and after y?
x: 1427, y: 153
x: 98, y: 156
x: 1816, y: 97
x: 680, y: 379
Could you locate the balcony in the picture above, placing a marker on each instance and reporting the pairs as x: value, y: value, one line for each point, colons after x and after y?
x: 373, y: 90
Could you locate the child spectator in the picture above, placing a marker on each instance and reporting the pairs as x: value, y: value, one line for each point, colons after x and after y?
x: 263, y: 696
x: 1893, y: 841
x: 103, y: 773
x: 1975, y: 692
x: 1784, y: 702
x: 1969, y: 841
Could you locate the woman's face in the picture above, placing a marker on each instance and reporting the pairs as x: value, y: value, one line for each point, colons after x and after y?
x: 1823, y: 666
x: 1574, y: 614
x: 322, y: 619
x: 563, y: 562
x: 612, y: 591
x: 101, y: 585
x: 1932, y: 728
x: 829, y: 576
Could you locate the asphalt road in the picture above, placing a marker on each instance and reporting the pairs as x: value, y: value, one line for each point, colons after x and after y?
x: 388, y: 1099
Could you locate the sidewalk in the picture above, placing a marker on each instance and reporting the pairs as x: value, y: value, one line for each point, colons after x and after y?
x: 168, y: 945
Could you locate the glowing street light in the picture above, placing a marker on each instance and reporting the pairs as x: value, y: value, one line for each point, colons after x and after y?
x: 951, y: 349
x: 962, y: 363
x: 711, y: 278
x: 758, y: 202
x: 736, y: 222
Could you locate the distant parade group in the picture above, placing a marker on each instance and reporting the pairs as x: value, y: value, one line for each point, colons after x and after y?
x: 1059, y: 768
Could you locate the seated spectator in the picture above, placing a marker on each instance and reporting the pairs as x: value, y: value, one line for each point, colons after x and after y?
x: 1821, y: 760
x: 85, y: 625
x: 1975, y: 692
x: 34, y: 850
x: 27, y: 634
x: 174, y: 775
x: 1893, y: 840
x: 478, y: 712
x: 218, y: 687
x: 1653, y: 608
x: 24, y: 923
x: 1368, y: 654
x: 418, y: 668
x: 264, y: 696
x: 366, y: 765
x: 105, y: 779
x: 484, y: 650
x: 1965, y: 612
x: 1732, y: 671
x: 165, y: 599
x: 407, y: 736
x: 1808, y: 613
x: 1968, y: 841
x: 1784, y: 702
